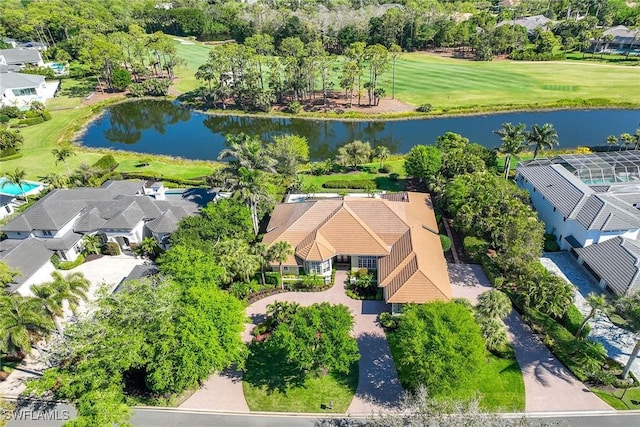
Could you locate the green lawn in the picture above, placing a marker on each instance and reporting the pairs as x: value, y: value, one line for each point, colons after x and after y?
x: 265, y: 387
x: 382, y: 180
x: 631, y: 398
x: 195, y: 55
x: 498, y: 384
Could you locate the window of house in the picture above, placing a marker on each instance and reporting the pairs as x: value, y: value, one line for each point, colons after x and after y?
x: 24, y: 92
x: 47, y: 233
x: 319, y: 268
x: 368, y: 262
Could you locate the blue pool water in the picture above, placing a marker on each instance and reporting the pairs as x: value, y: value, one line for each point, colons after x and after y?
x: 14, y: 190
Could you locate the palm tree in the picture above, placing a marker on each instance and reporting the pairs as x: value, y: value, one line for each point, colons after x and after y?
x: 513, y: 138
x: 494, y: 304
x: 280, y: 252
x: 636, y: 137
x: 56, y: 180
x: 611, y: 140
x: 597, y: 303
x: 22, y: 322
x: 72, y: 288
x: 249, y: 152
x: 381, y: 153
x: 84, y: 175
x: 16, y: 178
x: 246, y: 265
x: 51, y: 302
x: 542, y: 137
x: 92, y: 243
x: 62, y: 154
x: 627, y: 140
x: 261, y: 250
x: 493, y: 332
x: 629, y: 309
x: 248, y: 187
x: 148, y: 246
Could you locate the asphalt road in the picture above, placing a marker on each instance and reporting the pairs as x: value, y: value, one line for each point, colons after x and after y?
x: 56, y: 415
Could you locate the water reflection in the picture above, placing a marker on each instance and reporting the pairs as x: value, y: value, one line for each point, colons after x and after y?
x: 128, y: 120
x: 163, y: 127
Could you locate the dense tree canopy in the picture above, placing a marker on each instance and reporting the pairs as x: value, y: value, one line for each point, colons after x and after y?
x: 439, y: 346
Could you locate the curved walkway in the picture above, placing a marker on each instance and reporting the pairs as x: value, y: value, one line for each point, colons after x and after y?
x: 549, y: 386
x: 378, y: 385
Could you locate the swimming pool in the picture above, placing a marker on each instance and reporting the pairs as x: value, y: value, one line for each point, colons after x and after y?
x: 14, y: 190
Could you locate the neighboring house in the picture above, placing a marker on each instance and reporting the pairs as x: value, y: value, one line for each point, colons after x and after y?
x: 20, y: 90
x: 617, y: 40
x: 18, y: 59
x: 614, y: 264
x: 531, y: 23
x: 395, y: 235
x: 6, y: 205
x: 119, y: 211
x: 585, y: 200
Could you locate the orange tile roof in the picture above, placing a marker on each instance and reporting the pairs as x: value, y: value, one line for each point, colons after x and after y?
x: 401, y: 231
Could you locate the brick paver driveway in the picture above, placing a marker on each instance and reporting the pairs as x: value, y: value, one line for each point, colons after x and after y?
x: 549, y: 386
x: 378, y: 385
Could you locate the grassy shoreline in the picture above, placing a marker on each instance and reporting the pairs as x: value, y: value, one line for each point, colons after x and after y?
x: 415, y: 115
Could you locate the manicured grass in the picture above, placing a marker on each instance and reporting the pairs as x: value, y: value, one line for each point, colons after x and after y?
x: 448, y: 83
x: 498, y: 384
x: 195, y: 55
x: 631, y: 398
x: 383, y: 182
x: 265, y: 390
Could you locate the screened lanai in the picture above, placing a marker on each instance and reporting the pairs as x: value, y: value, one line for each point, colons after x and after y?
x: 599, y: 168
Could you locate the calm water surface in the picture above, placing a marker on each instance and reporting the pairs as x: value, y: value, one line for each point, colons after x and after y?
x: 163, y: 127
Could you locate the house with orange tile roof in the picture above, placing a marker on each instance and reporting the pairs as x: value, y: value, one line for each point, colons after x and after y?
x: 396, y: 235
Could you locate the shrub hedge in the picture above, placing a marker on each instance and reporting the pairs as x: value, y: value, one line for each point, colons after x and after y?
x: 106, y: 163
x: 445, y: 241
x: 31, y: 121
x: 272, y: 278
x: 111, y: 248
x: 475, y: 246
x: 157, y: 177
x: 572, y: 320
x: 68, y: 265
x: 360, y: 184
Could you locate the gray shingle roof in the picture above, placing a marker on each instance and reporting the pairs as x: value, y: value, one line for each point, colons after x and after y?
x: 167, y: 223
x: 63, y: 243
x: 127, y: 218
x: 614, y: 260
x: 21, y: 56
x: 27, y: 256
x: 89, y: 222
x: 19, y: 80
x: 563, y: 189
x: 607, y: 212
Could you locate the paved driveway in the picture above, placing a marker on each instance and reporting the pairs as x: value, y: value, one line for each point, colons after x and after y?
x: 378, y: 384
x: 549, y: 386
x: 108, y: 270
x: 618, y: 342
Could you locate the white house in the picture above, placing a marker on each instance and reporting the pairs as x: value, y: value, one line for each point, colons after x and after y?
x: 119, y: 211
x: 586, y: 200
x: 14, y: 60
x: 20, y: 90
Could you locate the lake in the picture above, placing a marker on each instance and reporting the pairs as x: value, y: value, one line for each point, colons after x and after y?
x: 163, y: 127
